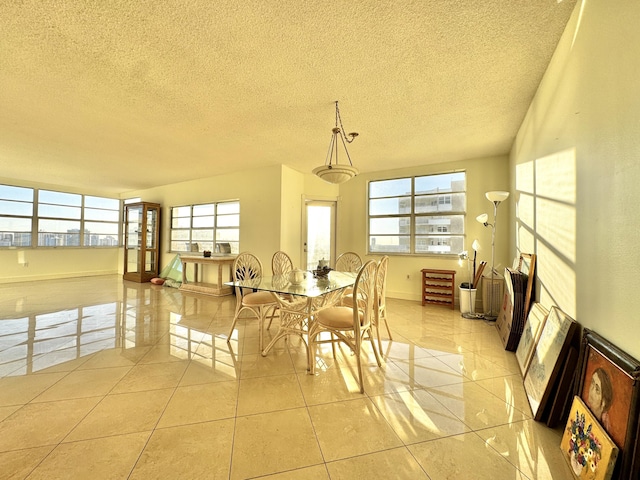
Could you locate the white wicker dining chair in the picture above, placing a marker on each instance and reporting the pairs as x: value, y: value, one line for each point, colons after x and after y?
x: 380, y: 303
x: 281, y: 263
x: 247, y: 267
x: 348, y: 262
x: 350, y: 325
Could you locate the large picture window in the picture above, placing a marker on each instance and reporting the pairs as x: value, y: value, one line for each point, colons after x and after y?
x: 57, y: 219
x: 418, y: 215
x: 212, y: 226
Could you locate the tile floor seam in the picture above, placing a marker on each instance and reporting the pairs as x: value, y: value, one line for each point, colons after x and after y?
x: 487, y: 445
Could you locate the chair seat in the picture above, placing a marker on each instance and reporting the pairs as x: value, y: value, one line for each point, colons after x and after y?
x: 337, y: 317
x: 258, y: 298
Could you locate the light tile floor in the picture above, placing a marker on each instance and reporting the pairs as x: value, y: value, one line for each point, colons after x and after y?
x: 101, y: 378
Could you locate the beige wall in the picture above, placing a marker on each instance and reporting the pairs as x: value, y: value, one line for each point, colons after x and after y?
x: 22, y: 264
x: 292, y: 193
x: 575, y: 173
x: 483, y: 174
x: 259, y: 192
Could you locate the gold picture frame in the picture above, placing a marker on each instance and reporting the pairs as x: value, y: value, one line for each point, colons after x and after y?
x: 585, y: 445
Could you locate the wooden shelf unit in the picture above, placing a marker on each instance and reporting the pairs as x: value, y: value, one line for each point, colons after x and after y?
x: 438, y: 286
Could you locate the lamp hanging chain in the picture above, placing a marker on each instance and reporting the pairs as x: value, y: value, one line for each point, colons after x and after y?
x: 333, y: 144
x: 342, y: 134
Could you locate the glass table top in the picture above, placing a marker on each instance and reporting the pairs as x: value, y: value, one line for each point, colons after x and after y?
x: 310, y: 287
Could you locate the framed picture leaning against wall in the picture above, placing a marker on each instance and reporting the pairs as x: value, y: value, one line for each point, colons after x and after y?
x: 610, y: 387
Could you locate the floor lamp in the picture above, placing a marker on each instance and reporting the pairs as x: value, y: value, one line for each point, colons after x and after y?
x: 496, y: 198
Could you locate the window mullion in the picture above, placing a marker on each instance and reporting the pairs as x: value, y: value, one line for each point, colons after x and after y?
x: 412, y: 221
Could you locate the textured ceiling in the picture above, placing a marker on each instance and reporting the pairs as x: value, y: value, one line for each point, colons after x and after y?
x: 128, y: 94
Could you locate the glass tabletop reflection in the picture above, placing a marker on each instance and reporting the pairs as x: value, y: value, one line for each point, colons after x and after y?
x: 311, y: 286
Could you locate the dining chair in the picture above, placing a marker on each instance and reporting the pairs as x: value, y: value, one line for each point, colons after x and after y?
x: 348, y: 262
x: 281, y: 263
x: 350, y: 325
x: 248, y: 268
x: 380, y: 304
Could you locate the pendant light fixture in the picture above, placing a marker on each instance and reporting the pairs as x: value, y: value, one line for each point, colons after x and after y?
x: 332, y: 171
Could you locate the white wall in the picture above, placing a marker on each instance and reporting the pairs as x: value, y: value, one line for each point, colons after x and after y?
x: 483, y: 174
x: 575, y: 173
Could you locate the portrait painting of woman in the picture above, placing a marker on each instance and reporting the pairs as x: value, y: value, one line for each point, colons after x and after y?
x: 610, y: 388
x: 600, y: 396
x: 607, y: 390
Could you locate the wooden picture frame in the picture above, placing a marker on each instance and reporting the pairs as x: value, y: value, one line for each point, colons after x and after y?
x: 620, y: 389
x: 585, y: 445
x: 548, y: 359
x: 530, y: 335
x: 527, y: 265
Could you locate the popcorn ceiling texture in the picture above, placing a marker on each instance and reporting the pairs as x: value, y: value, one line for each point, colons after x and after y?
x: 174, y: 90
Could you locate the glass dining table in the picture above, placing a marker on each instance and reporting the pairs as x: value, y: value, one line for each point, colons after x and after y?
x: 298, y: 303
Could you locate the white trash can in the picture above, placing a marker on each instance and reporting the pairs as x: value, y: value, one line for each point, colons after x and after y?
x: 468, y: 300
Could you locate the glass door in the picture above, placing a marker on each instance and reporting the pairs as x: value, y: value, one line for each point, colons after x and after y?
x: 319, y: 235
x: 133, y: 238
x: 141, y: 241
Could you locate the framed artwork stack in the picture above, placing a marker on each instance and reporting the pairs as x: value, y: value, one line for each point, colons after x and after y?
x: 610, y: 388
x: 550, y: 372
x: 516, y: 301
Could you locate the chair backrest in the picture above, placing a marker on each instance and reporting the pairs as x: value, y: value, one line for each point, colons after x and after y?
x: 364, y: 293
x: 247, y: 266
x: 281, y: 263
x: 348, y: 262
x: 381, y: 282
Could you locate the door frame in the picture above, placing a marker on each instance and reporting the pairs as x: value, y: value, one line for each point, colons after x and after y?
x: 328, y: 201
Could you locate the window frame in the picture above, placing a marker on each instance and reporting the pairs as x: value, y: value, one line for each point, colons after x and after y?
x: 215, y: 228
x: 43, y: 211
x: 16, y: 216
x: 414, y: 198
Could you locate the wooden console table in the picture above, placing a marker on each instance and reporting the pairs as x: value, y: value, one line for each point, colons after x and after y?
x: 197, y: 285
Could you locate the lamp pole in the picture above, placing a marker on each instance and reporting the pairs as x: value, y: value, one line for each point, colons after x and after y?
x: 496, y: 198
x: 491, y: 315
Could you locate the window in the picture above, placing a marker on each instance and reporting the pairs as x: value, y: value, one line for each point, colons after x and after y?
x: 16, y: 216
x: 59, y: 216
x: 56, y: 219
x: 419, y: 215
x: 212, y: 226
x: 101, y: 223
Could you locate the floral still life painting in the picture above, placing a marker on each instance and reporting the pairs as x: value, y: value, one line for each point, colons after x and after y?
x: 588, y: 449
